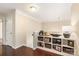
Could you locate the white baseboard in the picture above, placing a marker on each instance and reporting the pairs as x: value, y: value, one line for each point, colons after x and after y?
x: 34, y: 48
x: 19, y: 46
x: 15, y: 47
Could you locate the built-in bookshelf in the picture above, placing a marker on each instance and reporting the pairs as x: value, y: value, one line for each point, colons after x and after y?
x: 61, y: 45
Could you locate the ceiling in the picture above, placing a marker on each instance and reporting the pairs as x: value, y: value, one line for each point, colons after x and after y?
x: 46, y: 12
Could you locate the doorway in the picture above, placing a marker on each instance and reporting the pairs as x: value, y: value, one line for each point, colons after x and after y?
x: 1, y: 39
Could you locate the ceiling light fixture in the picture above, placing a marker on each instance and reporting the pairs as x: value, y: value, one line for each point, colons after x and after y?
x: 33, y: 8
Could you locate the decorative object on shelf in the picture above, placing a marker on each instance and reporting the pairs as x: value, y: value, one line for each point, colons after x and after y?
x: 40, y: 44
x: 66, y: 34
x: 48, y: 45
x: 67, y: 31
x: 65, y: 41
x: 56, y: 47
x: 71, y: 43
x: 47, y: 39
x: 41, y: 33
x: 68, y: 42
x: 56, y: 41
x: 46, y: 34
x: 40, y: 38
x: 55, y: 35
x: 68, y: 50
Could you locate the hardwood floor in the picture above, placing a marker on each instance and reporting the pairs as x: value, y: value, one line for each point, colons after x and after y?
x: 25, y: 51
x: 0, y: 50
x: 39, y: 52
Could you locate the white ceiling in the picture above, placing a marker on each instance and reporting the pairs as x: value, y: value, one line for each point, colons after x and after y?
x: 46, y: 12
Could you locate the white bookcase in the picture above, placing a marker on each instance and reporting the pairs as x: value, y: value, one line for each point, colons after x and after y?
x: 59, y: 45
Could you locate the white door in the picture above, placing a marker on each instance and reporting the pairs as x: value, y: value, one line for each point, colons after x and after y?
x: 9, y: 36
x: 30, y: 39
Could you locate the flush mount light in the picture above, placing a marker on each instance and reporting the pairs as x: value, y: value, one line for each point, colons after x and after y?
x: 33, y: 8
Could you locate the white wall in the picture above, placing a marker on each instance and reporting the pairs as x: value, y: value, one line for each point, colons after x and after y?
x: 2, y: 18
x: 25, y: 25
x: 15, y: 29
x: 0, y: 28
x: 1, y: 32
x: 55, y: 26
x: 20, y: 29
x: 21, y: 26
x: 32, y: 26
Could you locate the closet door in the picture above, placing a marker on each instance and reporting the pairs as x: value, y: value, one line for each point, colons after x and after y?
x: 9, y: 35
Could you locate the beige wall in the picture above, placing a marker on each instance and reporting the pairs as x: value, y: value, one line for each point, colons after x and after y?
x: 75, y: 17
x: 75, y: 22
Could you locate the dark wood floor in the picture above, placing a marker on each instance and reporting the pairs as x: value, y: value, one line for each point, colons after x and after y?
x: 25, y: 51
x: 39, y: 52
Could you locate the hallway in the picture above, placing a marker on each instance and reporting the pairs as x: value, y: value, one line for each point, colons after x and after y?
x: 49, y: 27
